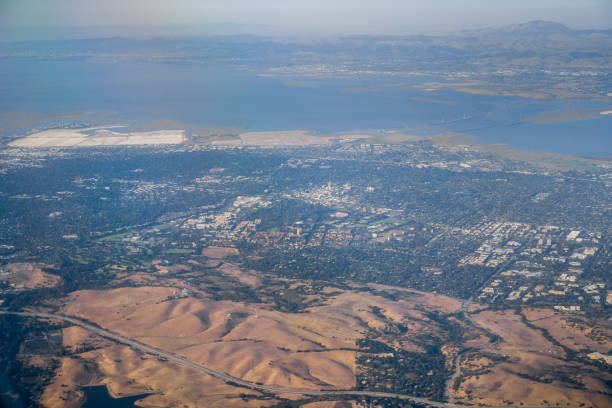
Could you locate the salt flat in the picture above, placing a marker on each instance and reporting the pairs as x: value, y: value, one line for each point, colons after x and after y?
x: 99, y: 136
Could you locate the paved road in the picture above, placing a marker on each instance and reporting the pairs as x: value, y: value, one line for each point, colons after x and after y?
x: 228, y: 378
x: 466, y: 314
x: 220, y: 375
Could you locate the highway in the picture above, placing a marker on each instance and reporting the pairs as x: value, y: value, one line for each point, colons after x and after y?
x: 220, y: 375
x: 237, y: 381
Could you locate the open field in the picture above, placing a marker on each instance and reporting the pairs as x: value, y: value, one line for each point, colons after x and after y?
x: 282, y: 138
x: 314, y: 350
x: 329, y: 404
x: 27, y: 275
x: 99, y: 136
x: 218, y: 252
x: 128, y: 372
x: 525, y: 366
x: 247, y: 277
x: 500, y: 386
x: 162, y: 355
x: 515, y: 333
x: 574, y: 331
x: 391, y: 138
x: 426, y: 300
x: 246, y: 341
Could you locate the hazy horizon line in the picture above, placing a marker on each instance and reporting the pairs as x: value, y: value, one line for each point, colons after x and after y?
x: 16, y: 34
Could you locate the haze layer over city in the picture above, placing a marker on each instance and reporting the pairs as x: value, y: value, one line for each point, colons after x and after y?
x: 305, y: 204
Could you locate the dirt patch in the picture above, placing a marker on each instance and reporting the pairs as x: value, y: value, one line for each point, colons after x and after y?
x: 574, y: 331
x: 312, y: 350
x: 250, y: 342
x: 249, y: 278
x: 329, y: 404
x: 282, y: 138
x: 72, y: 374
x: 99, y: 136
x: 28, y: 275
x: 128, y: 372
x: 514, y: 332
x: 525, y: 367
x: 500, y: 387
x: 429, y: 301
x: 215, y: 252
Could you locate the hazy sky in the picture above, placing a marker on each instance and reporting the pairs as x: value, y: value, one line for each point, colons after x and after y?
x: 330, y: 16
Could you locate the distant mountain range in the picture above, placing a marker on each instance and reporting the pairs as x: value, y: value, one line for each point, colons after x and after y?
x: 554, y: 34
x: 547, y: 55
x: 538, y: 27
